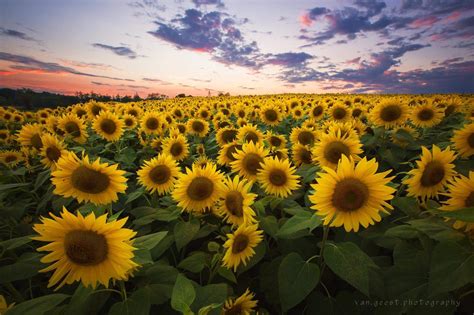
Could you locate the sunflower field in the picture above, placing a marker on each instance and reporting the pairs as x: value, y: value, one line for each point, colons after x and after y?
x: 277, y: 204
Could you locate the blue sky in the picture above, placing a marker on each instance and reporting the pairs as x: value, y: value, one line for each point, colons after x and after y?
x: 241, y: 47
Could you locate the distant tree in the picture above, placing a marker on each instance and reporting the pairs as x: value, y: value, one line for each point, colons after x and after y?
x: 180, y: 95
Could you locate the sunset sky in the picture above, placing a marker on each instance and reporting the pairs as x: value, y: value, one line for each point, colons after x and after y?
x: 237, y: 46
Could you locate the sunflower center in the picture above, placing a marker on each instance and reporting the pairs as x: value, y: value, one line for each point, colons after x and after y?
x: 277, y: 177
x: 176, y: 149
x: 306, y: 137
x: 128, y: 122
x: 53, y: 153
x: 469, y: 202
x: 229, y: 135
x: 240, y: 243
x: 85, y: 248
x: 108, y: 126
x: 305, y: 156
x: 152, y: 123
x: 271, y: 115
x: 7, y: 116
x: 356, y: 112
x: 89, y: 181
x: 425, y: 114
x: 251, y: 136
x: 181, y: 128
x: 236, y: 309
x: 275, y: 141
x: 339, y: 113
x: 3, y: 135
x: 200, y: 188
x: 36, y: 141
x: 350, y: 194
x: 390, y: 113
x: 80, y: 113
x: 433, y: 174
x: 10, y: 158
x: 470, y: 140
x: 198, y: 126
x: 334, y: 150
x: 133, y: 112
x: 96, y: 110
x: 160, y: 174
x: 234, y: 203
x: 252, y: 162
x: 449, y: 110
x: 230, y: 152
x: 204, y: 114
x: 317, y: 111
x: 72, y: 128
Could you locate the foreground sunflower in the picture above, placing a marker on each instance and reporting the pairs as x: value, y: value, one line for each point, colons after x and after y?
x: 389, y: 113
x: 352, y: 195
x: 86, y: 249
x: 433, y: 171
x: 73, y: 127
x: 426, y: 115
x: 51, y: 151
x: 301, y: 154
x: 30, y: 136
x: 277, y: 177
x: 331, y: 147
x: 177, y: 147
x: 108, y: 126
x: 240, y: 245
x: 461, y: 195
x: 304, y: 136
x: 159, y: 174
x: 94, y: 182
x: 235, y: 202
x: 199, y: 188
x: 151, y: 123
x: 463, y: 140
x: 226, y: 154
x: 198, y: 127
x: 243, y: 305
x: 248, y: 160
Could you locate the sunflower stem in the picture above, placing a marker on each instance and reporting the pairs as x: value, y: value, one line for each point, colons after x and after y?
x: 18, y: 297
x: 321, y: 251
x: 123, y: 290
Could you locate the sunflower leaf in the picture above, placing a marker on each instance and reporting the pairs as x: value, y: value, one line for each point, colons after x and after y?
x: 183, y: 294
x: 40, y: 305
x: 184, y: 232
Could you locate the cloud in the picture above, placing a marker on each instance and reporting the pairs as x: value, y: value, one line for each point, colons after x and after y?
x: 217, y: 3
x: 246, y: 87
x: 158, y: 81
x: 437, y: 7
x: 25, y: 63
x: 463, y: 28
x: 118, y: 50
x: 15, y: 34
x: 289, y: 59
x: 312, y: 15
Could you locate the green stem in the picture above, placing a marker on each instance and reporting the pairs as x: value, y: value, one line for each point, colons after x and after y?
x: 123, y: 290
x: 17, y: 295
x: 321, y: 251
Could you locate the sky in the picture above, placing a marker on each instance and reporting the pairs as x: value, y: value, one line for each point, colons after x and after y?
x: 202, y: 47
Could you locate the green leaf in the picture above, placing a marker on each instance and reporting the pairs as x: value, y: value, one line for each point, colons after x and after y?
x: 402, y: 231
x: 78, y: 303
x: 208, y: 295
x: 25, y: 267
x: 259, y: 254
x: 452, y: 266
x: 436, y: 229
x: 296, y: 279
x: 350, y: 263
x: 184, y: 232
x: 464, y: 214
x: 15, y: 242
x: 195, y: 262
x: 149, y: 241
x: 183, y: 294
x: 303, y: 221
x: 13, y: 186
x: 137, y: 304
x: 269, y: 224
x: 227, y: 274
x: 41, y: 179
x: 409, y: 205
x: 135, y: 195
x: 38, y: 306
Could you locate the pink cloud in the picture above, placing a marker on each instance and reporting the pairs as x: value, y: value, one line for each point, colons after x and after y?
x: 426, y: 21
x: 305, y: 20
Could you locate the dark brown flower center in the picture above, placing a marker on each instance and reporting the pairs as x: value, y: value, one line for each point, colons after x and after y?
x: 133, y: 112
x: 152, y: 123
x: 176, y: 149
x: 433, y: 174
x: 449, y: 110
x: 241, y: 242
x: 200, y: 188
x: 85, y: 248
x: 251, y: 136
x: 72, y: 128
x: 89, y: 181
x: 334, y: 150
x: 305, y: 156
x: 229, y: 135
x: 10, y: 158
x: 390, y: 113
x: 3, y: 135
x: 236, y: 309
x: 160, y: 174
x: 108, y: 126
x: 36, y: 141
x: 181, y: 128
x: 425, y: 114
x: 251, y: 163
x: 469, y: 202
x: 470, y: 140
x: 53, y: 153
x: 80, y: 113
x: 204, y: 114
x: 339, y: 113
x: 197, y: 126
x: 277, y: 177
x: 317, y: 111
x: 275, y: 141
x: 128, y: 122
x: 306, y: 137
x: 231, y: 150
x: 96, y: 110
x: 350, y: 194
x: 234, y: 203
x: 271, y: 115
x: 356, y: 112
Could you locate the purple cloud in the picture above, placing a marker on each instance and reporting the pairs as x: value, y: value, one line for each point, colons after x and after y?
x: 217, y: 3
x: 15, y: 34
x: 118, y: 50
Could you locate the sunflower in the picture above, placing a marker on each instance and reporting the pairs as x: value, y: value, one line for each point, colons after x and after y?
x: 235, y: 202
x: 96, y: 182
x: 248, y: 160
x: 426, y: 115
x: 304, y: 136
x: 226, y: 135
x: 74, y: 127
x: 51, y: 151
x: 282, y: 153
x: 389, y: 113
x: 203, y: 161
x: 108, y: 126
x: 270, y: 115
x: 250, y: 133
x: 79, y: 111
x: 93, y: 108
x: 463, y: 140
x: 275, y: 141
x: 240, y: 245
x: 317, y: 111
x: 177, y: 147
x: 398, y: 139
x: 86, y: 249
x: 129, y: 121
x: 134, y: 111
x: 277, y: 177
x: 52, y: 125
x: 243, y: 305
x: 199, y: 188
x: 226, y: 154
x: 4, y: 307
x: 301, y: 154
x: 434, y: 170
x: 30, y: 136
x: 357, y: 112
x: 461, y: 195
x: 353, y: 194
x: 151, y: 123
x: 198, y: 127
x: 11, y: 158
x: 4, y: 136
x: 159, y: 174
x: 297, y: 112
x: 331, y: 147
x: 340, y: 112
